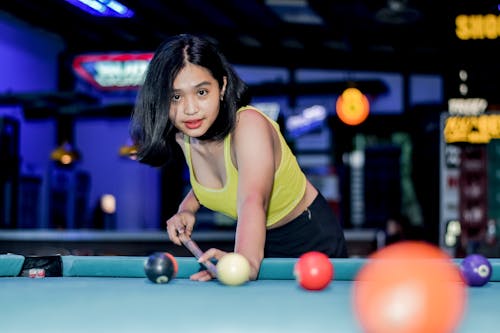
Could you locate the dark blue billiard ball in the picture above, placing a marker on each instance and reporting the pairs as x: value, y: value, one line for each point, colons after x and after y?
x: 160, y: 267
x: 476, y: 270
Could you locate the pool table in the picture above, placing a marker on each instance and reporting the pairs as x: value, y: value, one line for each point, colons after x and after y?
x: 111, y: 294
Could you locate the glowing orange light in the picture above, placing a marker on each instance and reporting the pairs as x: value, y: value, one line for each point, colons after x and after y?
x: 352, y: 106
x: 65, y: 154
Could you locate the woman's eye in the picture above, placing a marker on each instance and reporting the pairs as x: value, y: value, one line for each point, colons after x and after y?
x: 176, y: 98
x: 202, y: 92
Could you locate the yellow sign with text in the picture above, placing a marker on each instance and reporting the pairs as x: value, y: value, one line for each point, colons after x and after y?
x: 477, y: 26
x: 477, y: 129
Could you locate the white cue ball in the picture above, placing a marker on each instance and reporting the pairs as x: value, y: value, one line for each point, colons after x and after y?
x: 233, y: 269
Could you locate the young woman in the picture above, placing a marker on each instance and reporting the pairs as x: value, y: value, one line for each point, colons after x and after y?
x: 239, y: 163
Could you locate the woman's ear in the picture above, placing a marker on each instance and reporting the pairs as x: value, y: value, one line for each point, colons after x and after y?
x: 223, y: 89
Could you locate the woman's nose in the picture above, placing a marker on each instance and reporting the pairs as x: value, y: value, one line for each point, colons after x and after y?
x: 190, y: 108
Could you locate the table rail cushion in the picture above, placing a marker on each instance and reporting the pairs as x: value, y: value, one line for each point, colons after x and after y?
x: 11, y: 264
x: 272, y: 268
x: 125, y: 266
x: 119, y: 266
x: 133, y: 266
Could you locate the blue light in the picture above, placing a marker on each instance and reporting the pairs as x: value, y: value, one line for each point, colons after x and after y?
x: 117, y: 7
x: 110, y: 8
x: 310, y: 119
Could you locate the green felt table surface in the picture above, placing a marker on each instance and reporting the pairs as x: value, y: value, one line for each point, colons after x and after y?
x: 111, y: 294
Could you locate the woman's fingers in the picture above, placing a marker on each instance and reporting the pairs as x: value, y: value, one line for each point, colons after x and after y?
x: 201, y: 276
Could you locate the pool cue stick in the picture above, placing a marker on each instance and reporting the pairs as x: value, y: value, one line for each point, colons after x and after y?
x: 197, y: 252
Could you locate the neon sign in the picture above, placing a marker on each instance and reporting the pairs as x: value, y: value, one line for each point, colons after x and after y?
x: 308, y: 120
x: 110, y: 8
x: 477, y: 129
x: 113, y: 71
x: 477, y: 26
x: 467, y: 106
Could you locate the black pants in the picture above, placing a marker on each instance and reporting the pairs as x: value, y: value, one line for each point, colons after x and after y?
x: 317, y: 229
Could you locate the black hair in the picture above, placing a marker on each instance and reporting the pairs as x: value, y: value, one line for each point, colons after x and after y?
x: 151, y: 129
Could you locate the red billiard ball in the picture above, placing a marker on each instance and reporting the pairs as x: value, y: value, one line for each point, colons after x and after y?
x: 409, y: 287
x: 313, y: 270
x: 476, y: 270
x: 160, y: 267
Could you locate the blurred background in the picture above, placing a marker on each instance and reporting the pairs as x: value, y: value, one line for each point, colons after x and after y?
x: 390, y: 106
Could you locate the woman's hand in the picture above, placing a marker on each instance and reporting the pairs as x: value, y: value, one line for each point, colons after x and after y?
x: 182, y: 222
x: 208, y: 255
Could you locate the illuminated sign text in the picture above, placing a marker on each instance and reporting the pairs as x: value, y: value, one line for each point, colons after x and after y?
x: 478, y: 129
x: 467, y: 106
x: 477, y: 26
x: 113, y: 71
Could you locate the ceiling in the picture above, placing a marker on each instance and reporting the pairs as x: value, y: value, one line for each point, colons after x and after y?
x: 378, y: 34
x: 388, y: 35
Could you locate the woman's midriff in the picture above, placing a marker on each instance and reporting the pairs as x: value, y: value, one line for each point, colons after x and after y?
x: 309, y: 196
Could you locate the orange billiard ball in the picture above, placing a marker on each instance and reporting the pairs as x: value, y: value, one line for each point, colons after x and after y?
x: 409, y: 287
x: 313, y: 270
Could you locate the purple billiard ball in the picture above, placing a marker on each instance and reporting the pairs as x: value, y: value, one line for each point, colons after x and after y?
x: 476, y: 270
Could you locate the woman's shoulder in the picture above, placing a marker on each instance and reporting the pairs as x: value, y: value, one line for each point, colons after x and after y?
x: 252, y: 124
x: 252, y: 113
x: 251, y: 118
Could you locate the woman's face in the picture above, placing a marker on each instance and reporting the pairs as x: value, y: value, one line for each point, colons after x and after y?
x: 195, y: 100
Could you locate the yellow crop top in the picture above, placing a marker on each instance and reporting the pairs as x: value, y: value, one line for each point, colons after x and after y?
x: 288, y: 188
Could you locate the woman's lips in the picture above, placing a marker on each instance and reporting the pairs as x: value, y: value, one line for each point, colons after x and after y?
x: 193, y: 124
